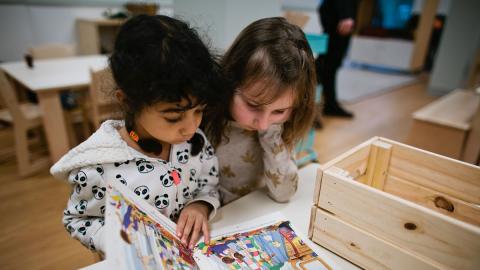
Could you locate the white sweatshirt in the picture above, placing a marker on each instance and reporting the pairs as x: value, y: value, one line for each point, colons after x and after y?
x: 167, y: 185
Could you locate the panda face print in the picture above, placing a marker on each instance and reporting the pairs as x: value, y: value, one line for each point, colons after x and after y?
x: 186, y: 193
x: 98, y: 192
x: 121, y: 179
x: 91, y: 246
x: 162, y: 201
x: 144, y: 166
x: 80, y: 179
x: 142, y: 192
x: 118, y: 164
x: 162, y: 161
x: 83, y: 229
x: 69, y: 228
x: 167, y: 178
x: 182, y: 156
x: 192, y: 175
x: 101, y: 221
x: 209, y: 152
x: 102, y: 209
x: 174, y: 215
x: 213, y: 172
x: 99, y: 169
x: 81, y: 206
x: 201, y: 183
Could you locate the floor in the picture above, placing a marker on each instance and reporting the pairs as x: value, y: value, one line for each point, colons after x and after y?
x: 32, y: 235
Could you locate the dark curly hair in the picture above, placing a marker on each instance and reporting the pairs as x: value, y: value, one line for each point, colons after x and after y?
x: 159, y: 58
x: 275, y: 52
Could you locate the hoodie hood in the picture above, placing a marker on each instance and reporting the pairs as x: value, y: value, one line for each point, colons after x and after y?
x: 104, y: 146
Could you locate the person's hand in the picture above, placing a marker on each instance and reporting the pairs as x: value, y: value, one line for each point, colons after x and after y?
x: 345, y: 26
x: 192, y: 221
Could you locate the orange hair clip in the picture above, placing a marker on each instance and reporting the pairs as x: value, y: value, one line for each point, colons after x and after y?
x: 133, y: 135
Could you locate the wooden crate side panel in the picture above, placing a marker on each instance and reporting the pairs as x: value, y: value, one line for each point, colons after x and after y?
x: 318, y: 185
x: 354, y: 160
x: 449, y: 176
x: 378, y: 162
x: 311, y: 225
x: 363, y: 248
x: 450, y: 242
x: 356, y: 163
x: 434, y: 200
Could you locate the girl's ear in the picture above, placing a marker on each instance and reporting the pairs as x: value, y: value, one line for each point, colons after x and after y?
x: 119, y: 95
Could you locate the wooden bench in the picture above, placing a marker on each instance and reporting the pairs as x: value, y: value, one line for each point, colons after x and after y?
x: 444, y: 125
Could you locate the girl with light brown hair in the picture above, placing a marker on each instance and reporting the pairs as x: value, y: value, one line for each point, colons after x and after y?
x: 269, y: 108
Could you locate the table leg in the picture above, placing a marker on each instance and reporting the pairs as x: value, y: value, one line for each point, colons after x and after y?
x: 54, y: 123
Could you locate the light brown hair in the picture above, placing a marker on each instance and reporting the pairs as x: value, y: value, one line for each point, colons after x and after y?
x: 276, y: 53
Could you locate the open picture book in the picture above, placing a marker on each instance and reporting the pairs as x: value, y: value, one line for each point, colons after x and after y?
x: 140, y: 237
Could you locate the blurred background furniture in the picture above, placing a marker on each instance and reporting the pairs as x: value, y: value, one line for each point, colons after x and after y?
x: 52, y: 50
x: 97, y: 36
x: 26, y: 119
x: 390, y: 41
x: 69, y: 99
x: 444, y: 125
x: 48, y: 79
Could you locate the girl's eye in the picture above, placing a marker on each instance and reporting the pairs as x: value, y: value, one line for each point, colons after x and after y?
x: 173, y: 120
x: 278, y: 112
x: 253, y: 107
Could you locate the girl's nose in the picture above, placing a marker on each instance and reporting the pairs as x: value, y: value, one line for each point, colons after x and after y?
x: 191, y: 124
x: 261, y: 122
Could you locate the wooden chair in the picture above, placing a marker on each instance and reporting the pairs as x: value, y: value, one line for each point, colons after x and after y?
x: 24, y: 118
x: 101, y: 104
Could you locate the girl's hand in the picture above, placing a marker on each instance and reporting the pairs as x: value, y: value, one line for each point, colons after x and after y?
x: 192, y: 220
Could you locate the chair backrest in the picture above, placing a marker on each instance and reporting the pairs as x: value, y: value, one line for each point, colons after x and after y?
x: 9, y: 98
x: 46, y: 51
x: 101, y: 87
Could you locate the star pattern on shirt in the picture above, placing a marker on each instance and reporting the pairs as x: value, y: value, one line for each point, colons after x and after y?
x: 277, y: 148
x: 227, y: 171
x: 248, y: 157
x: 274, y: 177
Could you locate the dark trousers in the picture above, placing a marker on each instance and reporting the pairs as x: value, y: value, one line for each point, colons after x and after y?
x: 328, y: 64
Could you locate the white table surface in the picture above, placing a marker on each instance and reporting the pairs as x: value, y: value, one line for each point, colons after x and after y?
x: 58, y: 73
x: 258, y: 203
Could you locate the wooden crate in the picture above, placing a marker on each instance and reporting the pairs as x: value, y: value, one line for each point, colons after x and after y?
x: 387, y: 205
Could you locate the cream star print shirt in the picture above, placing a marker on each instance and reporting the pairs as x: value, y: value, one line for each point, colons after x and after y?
x: 251, y: 160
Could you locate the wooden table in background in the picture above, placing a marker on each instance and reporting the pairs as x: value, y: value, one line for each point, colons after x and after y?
x: 47, y: 79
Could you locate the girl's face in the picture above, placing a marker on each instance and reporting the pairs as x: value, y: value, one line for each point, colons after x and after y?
x: 249, y: 114
x: 171, y: 122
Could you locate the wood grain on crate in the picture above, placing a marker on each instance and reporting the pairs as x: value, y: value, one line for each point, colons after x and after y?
x: 408, y: 225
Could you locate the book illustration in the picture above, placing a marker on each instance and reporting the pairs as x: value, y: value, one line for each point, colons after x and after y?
x: 145, y: 243
x: 140, y: 237
x: 276, y: 246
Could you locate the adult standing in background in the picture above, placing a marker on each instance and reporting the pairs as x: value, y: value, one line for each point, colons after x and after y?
x: 338, y: 20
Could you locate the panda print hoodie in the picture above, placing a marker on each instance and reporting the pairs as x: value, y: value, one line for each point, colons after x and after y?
x: 167, y: 185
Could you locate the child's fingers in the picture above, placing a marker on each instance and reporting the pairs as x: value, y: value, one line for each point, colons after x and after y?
x: 181, y: 225
x: 206, y: 232
x: 188, y: 229
x: 196, y: 232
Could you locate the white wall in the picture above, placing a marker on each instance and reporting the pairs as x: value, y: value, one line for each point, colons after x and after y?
x: 23, y: 26
x: 222, y: 20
